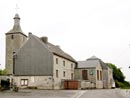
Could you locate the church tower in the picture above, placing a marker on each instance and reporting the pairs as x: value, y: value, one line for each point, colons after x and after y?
x: 14, y: 40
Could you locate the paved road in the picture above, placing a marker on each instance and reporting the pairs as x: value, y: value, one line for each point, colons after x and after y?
x: 38, y: 94
x: 102, y: 93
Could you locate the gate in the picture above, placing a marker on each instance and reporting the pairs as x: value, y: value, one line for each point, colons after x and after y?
x: 70, y: 84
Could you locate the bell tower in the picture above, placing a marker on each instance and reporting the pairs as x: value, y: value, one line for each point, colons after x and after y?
x: 14, y: 40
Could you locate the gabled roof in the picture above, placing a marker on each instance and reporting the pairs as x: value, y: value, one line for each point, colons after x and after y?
x: 54, y: 49
x: 58, y: 51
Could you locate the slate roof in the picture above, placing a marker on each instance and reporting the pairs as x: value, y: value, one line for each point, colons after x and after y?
x: 88, y: 64
x: 16, y: 28
x: 55, y: 49
x: 58, y: 51
x: 104, y: 65
x: 92, y: 62
x: 93, y: 58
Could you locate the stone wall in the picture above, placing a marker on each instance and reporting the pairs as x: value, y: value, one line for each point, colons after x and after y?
x: 12, y: 45
x: 40, y: 82
x: 68, y: 68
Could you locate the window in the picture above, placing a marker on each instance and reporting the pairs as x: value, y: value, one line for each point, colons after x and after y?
x: 63, y: 73
x: 97, y: 74
x: 63, y: 63
x: 56, y: 73
x: 100, y: 75
x: 85, y: 74
x: 71, y: 65
x: 24, y: 82
x: 56, y: 60
x: 72, y: 76
x: 12, y: 36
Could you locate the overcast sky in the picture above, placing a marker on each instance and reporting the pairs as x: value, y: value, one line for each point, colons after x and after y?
x: 82, y: 28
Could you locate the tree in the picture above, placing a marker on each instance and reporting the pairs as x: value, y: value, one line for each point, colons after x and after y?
x: 2, y: 72
x: 119, y: 77
x: 117, y: 73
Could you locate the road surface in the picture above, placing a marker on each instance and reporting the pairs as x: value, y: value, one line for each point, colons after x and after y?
x: 98, y: 93
x: 104, y: 93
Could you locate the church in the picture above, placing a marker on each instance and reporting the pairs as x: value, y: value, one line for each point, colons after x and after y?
x: 35, y: 62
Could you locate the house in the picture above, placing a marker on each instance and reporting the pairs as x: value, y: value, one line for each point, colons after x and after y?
x: 93, y: 73
x: 37, y: 62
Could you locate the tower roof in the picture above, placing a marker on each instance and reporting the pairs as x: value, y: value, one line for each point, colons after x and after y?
x: 16, y: 28
x: 93, y: 58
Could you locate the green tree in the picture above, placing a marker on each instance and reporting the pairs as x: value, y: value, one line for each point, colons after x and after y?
x: 2, y: 72
x: 118, y: 76
x: 117, y: 73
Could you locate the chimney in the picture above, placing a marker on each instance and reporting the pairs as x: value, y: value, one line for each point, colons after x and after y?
x: 44, y: 39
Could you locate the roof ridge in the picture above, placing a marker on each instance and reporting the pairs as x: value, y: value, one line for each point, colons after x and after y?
x: 55, y: 49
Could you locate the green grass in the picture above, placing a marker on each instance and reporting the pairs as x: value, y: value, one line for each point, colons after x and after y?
x: 125, y: 87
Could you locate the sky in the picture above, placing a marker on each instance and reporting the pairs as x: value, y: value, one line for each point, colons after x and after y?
x: 82, y: 28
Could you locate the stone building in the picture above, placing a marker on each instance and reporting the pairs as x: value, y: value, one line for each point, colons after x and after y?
x: 15, y: 38
x: 94, y: 73
x: 35, y: 62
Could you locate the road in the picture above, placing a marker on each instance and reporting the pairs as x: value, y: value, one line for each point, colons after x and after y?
x: 104, y: 93
x: 98, y: 93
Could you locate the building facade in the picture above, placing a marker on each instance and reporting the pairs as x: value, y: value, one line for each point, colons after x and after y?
x: 41, y: 64
x: 36, y: 62
x: 93, y: 73
x: 15, y: 38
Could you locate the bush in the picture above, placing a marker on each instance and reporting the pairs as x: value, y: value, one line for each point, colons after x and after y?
x: 119, y: 84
